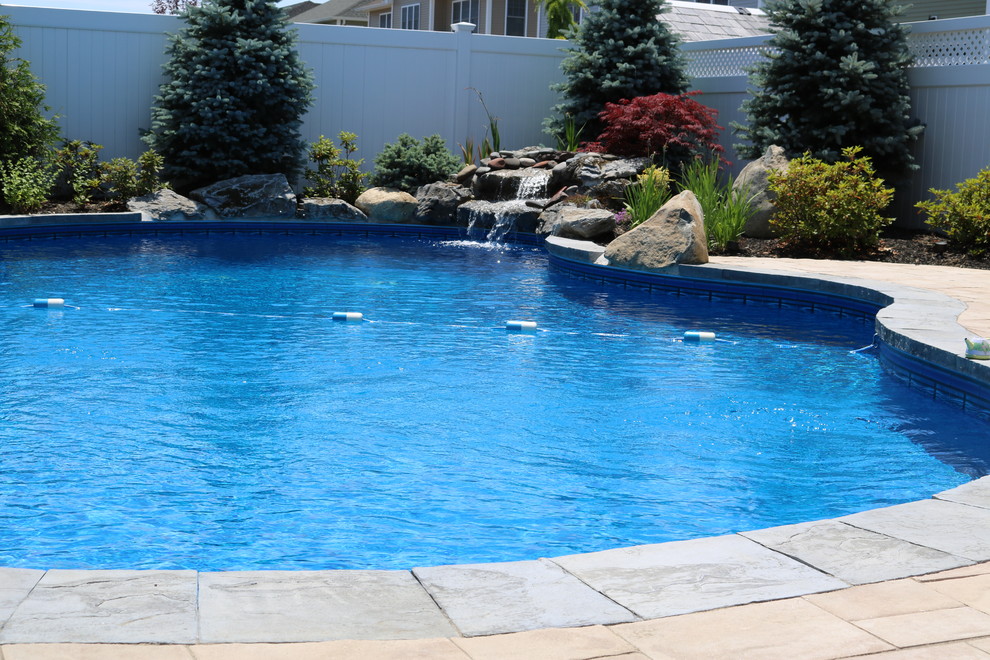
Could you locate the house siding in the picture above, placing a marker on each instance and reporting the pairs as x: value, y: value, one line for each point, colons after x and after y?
x: 920, y: 10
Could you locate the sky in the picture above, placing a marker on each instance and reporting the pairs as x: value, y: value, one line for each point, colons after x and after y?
x: 130, y: 6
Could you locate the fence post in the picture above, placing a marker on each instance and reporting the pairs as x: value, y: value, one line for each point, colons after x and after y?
x: 462, y: 79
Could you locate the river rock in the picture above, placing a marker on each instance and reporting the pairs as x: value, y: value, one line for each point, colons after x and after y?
x: 166, y: 205
x: 387, y: 205
x: 438, y: 203
x: 755, y: 179
x: 328, y: 209
x: 673, y: 235
x: 250, y: 196
x: 568, y: 221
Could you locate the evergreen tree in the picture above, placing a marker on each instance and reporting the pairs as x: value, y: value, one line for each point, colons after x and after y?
x: 837, y: 78
x: 235, y: 95
x: 24, y: 128
x: 621, y: 51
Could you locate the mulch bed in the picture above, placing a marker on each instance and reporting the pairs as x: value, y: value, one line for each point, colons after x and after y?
x: 896, y: 246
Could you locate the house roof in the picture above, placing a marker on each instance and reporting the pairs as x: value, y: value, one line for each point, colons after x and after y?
x: 299, y: 7
x: 332, y: 10
x: 695, y: 21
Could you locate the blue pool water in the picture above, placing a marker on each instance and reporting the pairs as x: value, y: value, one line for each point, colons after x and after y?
x: 198, y: 408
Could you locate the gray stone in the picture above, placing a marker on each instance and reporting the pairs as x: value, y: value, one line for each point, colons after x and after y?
x: 438, y: 203
x: 120, y: 607
x: 387, y: 205
x: 327, y: 209
x: 583, y: 169
x: 466, y: 173
x: 754, y: 178
x: 975, y: 493
x: 573, y: 222
x: 250, y: 196
x: 488, y: 599
x: 166, y: 205
x: 689, y: 576
x: 625, y: 168
x: 856, y: 556
x: 299, y: 606
x: 957, y: 529
x: 569, y: 248
x: 15, y: 585
x: 527, y: 162
x: 673, y: 235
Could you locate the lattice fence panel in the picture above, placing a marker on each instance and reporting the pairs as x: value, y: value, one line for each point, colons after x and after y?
x: 723, y: 62
x: 957, y: 48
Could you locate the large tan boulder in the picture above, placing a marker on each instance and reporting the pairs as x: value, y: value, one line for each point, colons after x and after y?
x: 755, y: 179
x: 387, y: 205
x: 673, y: 235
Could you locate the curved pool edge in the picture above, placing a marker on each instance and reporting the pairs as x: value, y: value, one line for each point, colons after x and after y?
x: 952, y: 529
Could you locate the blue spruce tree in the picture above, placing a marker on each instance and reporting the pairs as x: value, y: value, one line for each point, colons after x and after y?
x: 235, y: 95
x: 836, y: 77
x: 621, y: 51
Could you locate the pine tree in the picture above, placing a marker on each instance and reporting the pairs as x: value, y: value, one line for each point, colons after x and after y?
x: 837, y: 78
x: 621, y: 51
x: 235, y: 95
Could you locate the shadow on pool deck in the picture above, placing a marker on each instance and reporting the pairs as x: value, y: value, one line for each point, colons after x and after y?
x: 787, y: 592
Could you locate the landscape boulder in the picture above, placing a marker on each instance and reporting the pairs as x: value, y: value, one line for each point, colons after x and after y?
x: 166, y: 205
x: 250, y: 196
x: 387, y: 205
x: 329, y: 209
x: 438, y: 203
x: 673, y: 235
x: 754, y: 178
x: 568, y: 221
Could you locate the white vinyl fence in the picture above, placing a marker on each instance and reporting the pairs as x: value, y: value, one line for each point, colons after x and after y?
x: 102, y: 71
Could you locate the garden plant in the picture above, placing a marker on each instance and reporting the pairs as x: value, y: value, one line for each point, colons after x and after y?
x: 408, y: 163
x: 621, y: 51
x: 835, y: 76
x: 963, y: 214
x: 726, y: 210
x: 337, y: 175
x: 830, y: 209
x: 646, y: 195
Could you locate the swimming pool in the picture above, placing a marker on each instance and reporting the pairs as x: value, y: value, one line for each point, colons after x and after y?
x: 200, y: 409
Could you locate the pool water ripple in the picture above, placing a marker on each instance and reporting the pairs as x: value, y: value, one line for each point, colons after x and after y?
x: 200, y: 409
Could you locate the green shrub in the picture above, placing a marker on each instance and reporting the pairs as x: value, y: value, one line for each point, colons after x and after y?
x: 122, y: 178
x: 336, y: 174
x: 27, y: 183
x: 964, y: 215
x: 726, y: 210
x: 408, y: 163
x: 24, y: 128
x: 645, y: 197
x: 830, y: 209
x: 78, y: 163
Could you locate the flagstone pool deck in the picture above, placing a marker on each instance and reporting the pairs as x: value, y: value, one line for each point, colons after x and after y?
x: 908, y: 581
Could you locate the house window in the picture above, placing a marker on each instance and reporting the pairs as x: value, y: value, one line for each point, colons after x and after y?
x: 515, y: 18
x: 385, y: 20
x: 465, y: 11
x: 409, y: 14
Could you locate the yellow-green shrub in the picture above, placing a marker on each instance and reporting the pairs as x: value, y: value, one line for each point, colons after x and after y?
x: 964, y: 215
x: 831, y: 210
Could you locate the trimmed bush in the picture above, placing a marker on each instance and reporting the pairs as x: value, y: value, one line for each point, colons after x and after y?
x: 672, y: 129
x: 407, y: 163
x: 963, y: 214
x: 27, y: 183
x: 830, y: 210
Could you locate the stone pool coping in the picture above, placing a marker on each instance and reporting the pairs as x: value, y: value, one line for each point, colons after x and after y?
x: 610, y: 587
